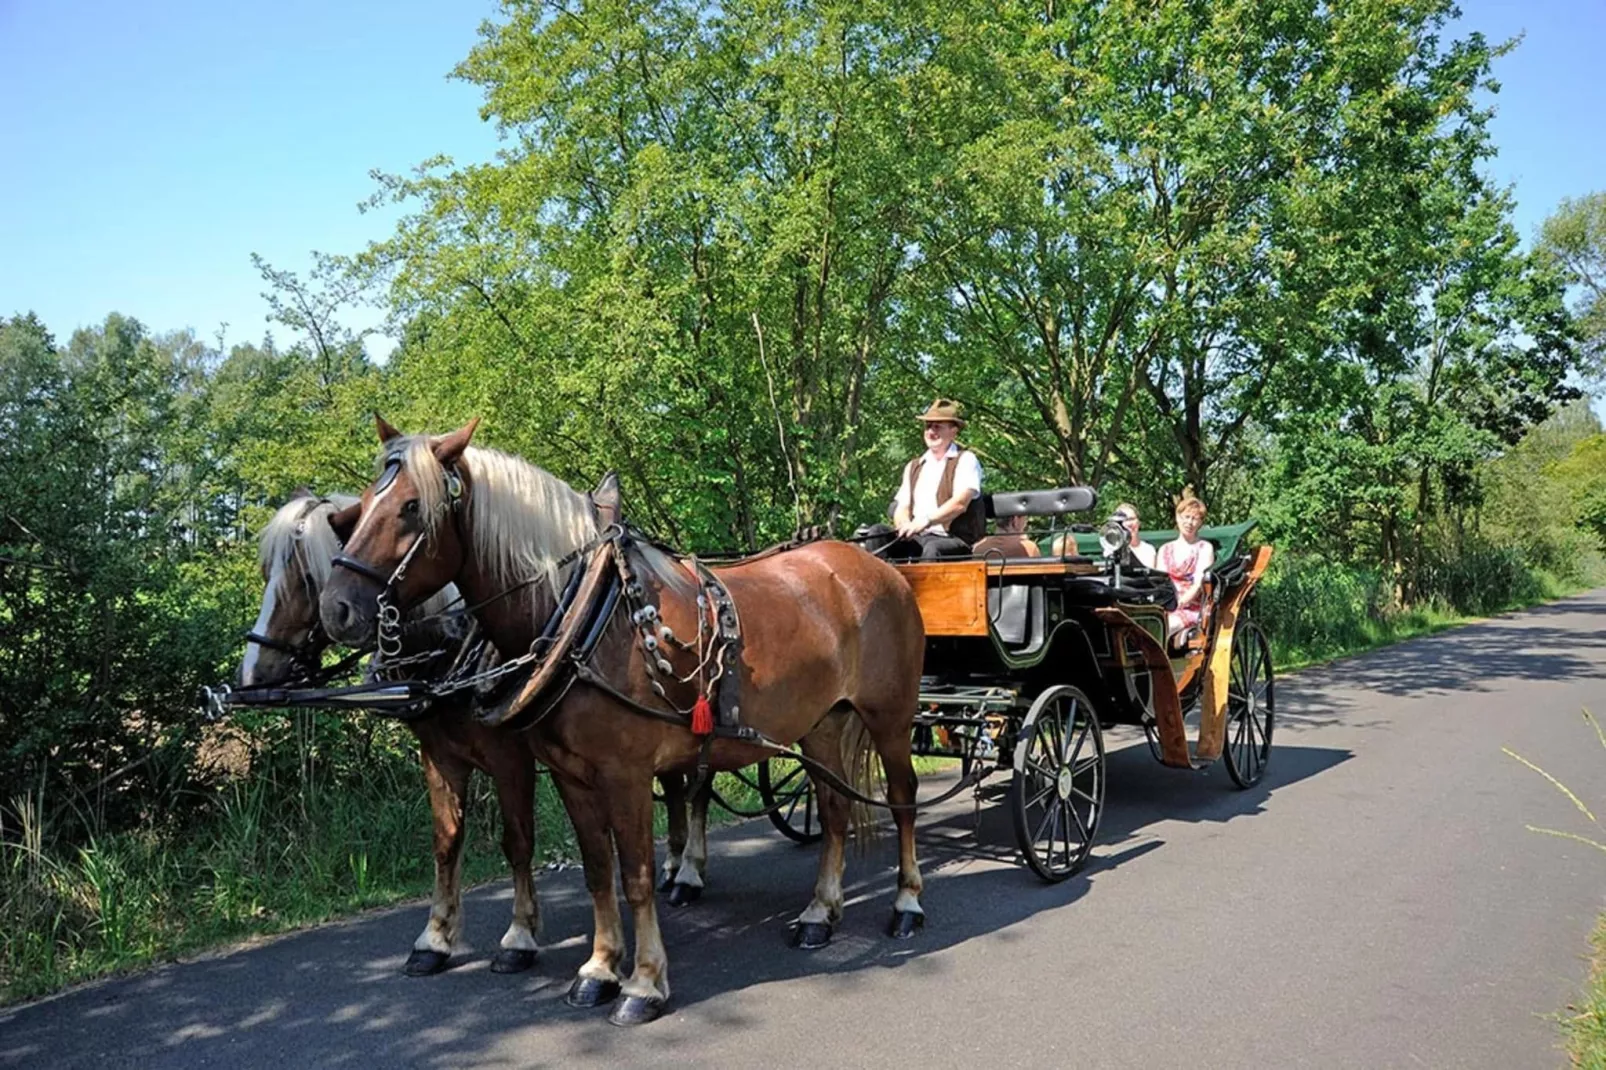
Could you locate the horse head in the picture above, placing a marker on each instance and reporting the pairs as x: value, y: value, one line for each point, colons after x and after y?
x: 295, y: 550
x: 402, y: 538
x: 441, y: 512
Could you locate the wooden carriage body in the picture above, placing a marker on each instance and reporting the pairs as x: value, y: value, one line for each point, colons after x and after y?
x: 1000, y: 627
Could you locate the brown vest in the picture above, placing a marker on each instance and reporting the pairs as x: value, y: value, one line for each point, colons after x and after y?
x: 969, y: 525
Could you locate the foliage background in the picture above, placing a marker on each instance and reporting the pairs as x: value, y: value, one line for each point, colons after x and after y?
x: 731, y: 250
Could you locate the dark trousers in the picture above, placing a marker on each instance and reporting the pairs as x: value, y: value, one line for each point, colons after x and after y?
x: 920, y: 547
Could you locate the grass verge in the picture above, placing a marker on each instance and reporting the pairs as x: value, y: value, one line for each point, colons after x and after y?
x: 1585, y: 1021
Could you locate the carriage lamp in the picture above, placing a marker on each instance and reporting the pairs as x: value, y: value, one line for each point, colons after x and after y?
x: 1113, y: 536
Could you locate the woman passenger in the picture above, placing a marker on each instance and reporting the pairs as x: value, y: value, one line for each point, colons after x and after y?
x: 1186, y: 559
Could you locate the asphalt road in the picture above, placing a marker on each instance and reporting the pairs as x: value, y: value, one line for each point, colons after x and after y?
x: 1375, y: 902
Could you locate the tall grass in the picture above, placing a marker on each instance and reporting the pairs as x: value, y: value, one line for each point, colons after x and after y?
x: 268, y: 852
x: 263, y: 855
x: 1314, y: 608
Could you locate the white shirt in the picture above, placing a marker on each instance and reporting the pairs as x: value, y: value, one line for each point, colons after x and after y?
x: 1145, y: 553
x: 967, y: 476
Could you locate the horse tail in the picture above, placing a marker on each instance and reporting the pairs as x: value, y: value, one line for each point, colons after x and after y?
x: 861, y: 765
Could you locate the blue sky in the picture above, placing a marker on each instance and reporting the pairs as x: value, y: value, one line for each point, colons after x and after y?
x: 151, y: 146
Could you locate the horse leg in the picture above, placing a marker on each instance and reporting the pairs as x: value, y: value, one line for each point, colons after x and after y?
x: 646, y: 990
x: 448, y: 780
x: 515, y: 792
x: 897, y: 761
x: 688, y: 882
x: 597, y: 982
x: 814, y: 925
x: 674, y: 785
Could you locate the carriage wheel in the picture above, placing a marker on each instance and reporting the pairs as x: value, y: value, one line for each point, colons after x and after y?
x: 783, y: 781
x: 1057, y: 795
x: 1251, y: 706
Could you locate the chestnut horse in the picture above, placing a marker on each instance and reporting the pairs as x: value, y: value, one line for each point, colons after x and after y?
x: 297, y: 547
x: 831, y: 652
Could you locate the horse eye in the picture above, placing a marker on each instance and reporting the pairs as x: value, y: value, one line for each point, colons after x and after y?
x: 410, y: 507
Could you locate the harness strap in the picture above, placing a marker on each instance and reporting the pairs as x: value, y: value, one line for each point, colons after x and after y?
x: 557, y: 656
x: 584, y: 674
x: 361, y: 568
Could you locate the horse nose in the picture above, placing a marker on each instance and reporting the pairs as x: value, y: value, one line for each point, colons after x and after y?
x: 344, y: 614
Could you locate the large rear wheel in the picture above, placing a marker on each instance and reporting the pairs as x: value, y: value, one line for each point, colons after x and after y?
x: 1251, y: 706
x: 1057, y: 795
x: 788, y: 792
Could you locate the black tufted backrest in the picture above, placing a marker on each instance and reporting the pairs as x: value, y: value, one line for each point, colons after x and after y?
x: 1053, y: 502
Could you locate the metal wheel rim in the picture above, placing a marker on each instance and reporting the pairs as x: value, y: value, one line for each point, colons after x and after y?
x: 1057, y: 796
x: 1251, y: 707
x: 798, y: 818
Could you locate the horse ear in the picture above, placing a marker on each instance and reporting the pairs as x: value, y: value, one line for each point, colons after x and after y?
x: 448, y: 448
x: 386, y: 432
x: 606, y: 500
x: 344, y: 520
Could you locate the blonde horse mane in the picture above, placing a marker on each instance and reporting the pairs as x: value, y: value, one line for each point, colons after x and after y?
x: 319, y: 545
x: 277, y: 543
x: 524, y: 519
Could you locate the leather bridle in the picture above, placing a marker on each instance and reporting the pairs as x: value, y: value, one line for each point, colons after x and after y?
x: 389, y: 610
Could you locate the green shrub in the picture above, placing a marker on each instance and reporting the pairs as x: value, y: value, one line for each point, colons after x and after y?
x: 1313, y: 607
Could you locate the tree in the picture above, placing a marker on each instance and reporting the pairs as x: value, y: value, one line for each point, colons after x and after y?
x: 104, y: 635
x: 1574, y: 239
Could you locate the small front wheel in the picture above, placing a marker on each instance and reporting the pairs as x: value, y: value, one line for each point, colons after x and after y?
x: 1251, y: 706
x: 787, y: 791
x: 1057, y: 795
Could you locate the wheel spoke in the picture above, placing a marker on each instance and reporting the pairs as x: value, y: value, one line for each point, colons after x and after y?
x: 1080, y: 827
x: 1050, y: 815
x: 1040, y: 796
x: 1048, y: 774
x: 1056, y: 735
x: 1070, y: 759
x: 780, y: 785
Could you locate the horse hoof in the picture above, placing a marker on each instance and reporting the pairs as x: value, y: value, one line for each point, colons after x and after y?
x: 513, y: 960
x: 422, y: 962
x: 638, y: 1010
x: 812, y: 934
x: 590, y: 992
x: 904, y: 924
x: 684, y: 895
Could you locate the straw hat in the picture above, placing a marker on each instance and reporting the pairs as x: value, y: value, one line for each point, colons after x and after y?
x: 944, y: 410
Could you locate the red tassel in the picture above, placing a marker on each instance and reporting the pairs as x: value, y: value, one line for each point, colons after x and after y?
x: 702, y: 717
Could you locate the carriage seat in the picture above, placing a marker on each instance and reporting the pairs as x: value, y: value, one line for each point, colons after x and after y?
x: 1017, y: 616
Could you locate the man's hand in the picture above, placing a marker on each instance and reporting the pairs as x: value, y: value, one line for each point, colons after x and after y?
x: 910, y: 528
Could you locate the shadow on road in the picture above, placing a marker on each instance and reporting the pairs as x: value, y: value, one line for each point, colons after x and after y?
x: 338, y: 991
x: 1525, y: 647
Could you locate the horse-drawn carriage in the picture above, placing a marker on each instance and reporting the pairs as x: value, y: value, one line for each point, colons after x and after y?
x: 1028, y: 659
x: 649, y: 662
